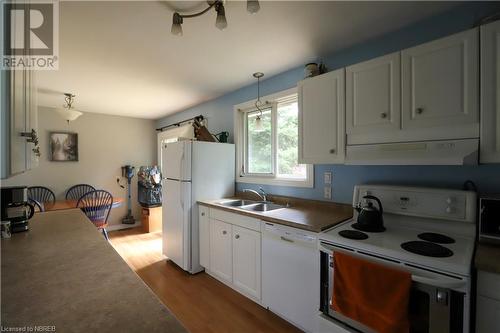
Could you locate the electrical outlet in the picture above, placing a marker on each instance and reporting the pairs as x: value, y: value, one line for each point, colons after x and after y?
x: 328, y: 192
x: 327, y: 177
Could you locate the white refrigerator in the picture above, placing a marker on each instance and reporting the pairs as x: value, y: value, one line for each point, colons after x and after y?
x: 192, y: 171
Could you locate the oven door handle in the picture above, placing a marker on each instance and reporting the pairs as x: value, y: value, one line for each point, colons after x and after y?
x: 442, y: 283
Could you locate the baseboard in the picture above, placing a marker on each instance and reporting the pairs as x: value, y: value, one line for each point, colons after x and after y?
x: 123, y: 226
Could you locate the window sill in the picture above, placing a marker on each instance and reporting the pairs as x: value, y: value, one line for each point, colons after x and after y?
x: 309, y: 183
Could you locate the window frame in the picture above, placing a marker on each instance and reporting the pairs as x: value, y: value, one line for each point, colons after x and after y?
x: 240, y: 140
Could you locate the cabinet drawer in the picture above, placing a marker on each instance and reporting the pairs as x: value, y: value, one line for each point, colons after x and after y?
x: 236, y: 219
x: 488, y: 284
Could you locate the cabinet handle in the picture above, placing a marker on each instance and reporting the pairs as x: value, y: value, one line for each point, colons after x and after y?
x: 237, y: 236
x: 332, y: 151
x: 31, y: 137
x: 420, y: 110
x: 224, y: 232
x: 202, y: 214
x: 287, y: 239
x: 383, y: 115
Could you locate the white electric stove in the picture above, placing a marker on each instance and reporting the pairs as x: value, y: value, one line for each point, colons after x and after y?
x: 429, y: 233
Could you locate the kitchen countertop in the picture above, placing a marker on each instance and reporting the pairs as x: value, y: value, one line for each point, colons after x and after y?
x: 309, y: 215
x: 486, y: 258
x: 63, y: 273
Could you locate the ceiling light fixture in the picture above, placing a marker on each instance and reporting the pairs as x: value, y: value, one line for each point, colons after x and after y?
x: 68, y: 112
x: 253, y: 7
x: 258, y: 103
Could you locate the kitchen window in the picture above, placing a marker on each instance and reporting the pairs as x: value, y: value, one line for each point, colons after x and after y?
x: 267, y: 142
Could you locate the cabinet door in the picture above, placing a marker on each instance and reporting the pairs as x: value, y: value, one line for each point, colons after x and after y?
x: 246, y: 261
x: 490, y: 93
x: 32, y: 119
x: 18, y: 145
x: 487, y: 314
x: 440, y: 84
x: 221, y: 253
x: 373, y: 97
x: 322, y: 118
x: 204, y: 222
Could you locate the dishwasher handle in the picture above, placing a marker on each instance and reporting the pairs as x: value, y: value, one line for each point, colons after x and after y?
x: 287, y: 239
x: 289, y: 235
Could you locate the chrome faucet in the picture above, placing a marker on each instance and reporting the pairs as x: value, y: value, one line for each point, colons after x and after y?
x: 262, y: 194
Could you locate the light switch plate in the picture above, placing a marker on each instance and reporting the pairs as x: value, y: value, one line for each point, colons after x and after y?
x: 328, y: 192
x: 327, y: 177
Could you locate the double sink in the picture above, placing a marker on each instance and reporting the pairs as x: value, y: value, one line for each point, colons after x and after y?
x: 255, y: 206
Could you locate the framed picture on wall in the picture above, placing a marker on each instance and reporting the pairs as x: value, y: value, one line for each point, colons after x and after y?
x: 63, y: 146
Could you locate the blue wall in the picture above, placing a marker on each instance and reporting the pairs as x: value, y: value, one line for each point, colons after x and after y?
x: 220, y: 113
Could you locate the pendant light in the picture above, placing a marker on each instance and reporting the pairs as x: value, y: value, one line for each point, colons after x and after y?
x: 68, y: 112
x: 258, y: 103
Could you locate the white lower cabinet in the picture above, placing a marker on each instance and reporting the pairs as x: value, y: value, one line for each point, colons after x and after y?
x: 221, y: 254
x: 233, y: 243
x: 488, y: 303
x: 246, y: 261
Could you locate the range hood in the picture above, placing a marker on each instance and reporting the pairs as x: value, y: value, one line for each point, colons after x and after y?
x: 443, y: 152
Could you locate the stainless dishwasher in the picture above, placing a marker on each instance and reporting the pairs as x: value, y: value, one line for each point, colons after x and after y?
x: 290, y: 274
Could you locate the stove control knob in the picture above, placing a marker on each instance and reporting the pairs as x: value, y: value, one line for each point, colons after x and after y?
x: 449, y: 210
x: 449, y: 200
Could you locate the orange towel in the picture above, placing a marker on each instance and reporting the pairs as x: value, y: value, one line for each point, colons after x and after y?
x: 374, y: 295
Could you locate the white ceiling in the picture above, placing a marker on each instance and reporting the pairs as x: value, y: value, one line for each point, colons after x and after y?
x: 120, y: 58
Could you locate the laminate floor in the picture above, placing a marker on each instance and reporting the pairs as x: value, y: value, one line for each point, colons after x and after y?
x: 199, y: 301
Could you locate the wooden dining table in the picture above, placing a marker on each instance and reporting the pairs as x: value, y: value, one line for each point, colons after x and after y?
x: 68, y: 204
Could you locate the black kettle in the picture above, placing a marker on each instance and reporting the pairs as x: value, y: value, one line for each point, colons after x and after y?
x: 370, y: 218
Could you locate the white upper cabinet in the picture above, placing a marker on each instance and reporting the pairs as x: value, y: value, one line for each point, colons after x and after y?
x: 490, y: 93
x: 440, y: 86
x: 373, y: 98
x: 322, y: 118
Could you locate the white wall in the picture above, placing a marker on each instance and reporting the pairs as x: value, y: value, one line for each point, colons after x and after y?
x: 105, y: 143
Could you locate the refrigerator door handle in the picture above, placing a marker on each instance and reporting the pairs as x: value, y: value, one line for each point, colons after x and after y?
x: 182, y: 196
x: 182, y: 162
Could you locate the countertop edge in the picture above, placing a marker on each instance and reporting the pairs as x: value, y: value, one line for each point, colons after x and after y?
x: 267, y: 218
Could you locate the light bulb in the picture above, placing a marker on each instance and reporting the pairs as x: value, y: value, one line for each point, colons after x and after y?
x: 176, y: 25
x: 220, y: 21
x: 258, y: 124
x: 253, y: 6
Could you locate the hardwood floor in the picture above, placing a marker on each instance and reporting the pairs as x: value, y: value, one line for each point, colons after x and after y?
x: 199, y: 301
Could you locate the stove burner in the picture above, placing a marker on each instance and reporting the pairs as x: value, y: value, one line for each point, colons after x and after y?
x: 353, y: 234
x: 436, y: 238
x: 427, y: 249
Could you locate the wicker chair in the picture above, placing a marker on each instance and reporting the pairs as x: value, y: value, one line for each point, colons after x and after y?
x: 97, y: 206
x: 41, y: 195
x: 37, y: 205
x: 78, y: 191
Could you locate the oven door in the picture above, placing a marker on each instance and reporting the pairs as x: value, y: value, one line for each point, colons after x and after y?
x: 434, y: 307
